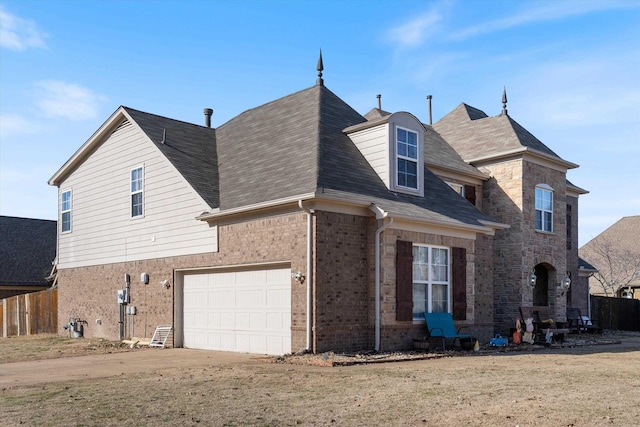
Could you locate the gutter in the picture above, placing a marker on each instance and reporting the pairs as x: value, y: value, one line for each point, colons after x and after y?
x: 217, y: 213
x: 386, y: 222
x: 310, y: 213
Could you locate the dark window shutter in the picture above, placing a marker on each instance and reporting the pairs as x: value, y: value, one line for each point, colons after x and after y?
x: 470, y: 194
x: 459, y: 282
x: 404, y: 280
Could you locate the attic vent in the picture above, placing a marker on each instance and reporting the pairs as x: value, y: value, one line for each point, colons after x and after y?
x: 125, y: 124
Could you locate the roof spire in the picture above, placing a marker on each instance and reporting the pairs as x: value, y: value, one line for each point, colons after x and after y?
x: 320, y: 68
x: 504, y: 101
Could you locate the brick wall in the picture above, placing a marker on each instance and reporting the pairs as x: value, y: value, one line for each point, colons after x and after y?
x: 341, y: 292
x: 509, y: 197
x: 399, y: 335
x: 579, y: 292
x: 90, y: 293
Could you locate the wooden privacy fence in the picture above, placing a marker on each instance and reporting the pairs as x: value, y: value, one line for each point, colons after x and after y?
x: 30, y: 314
x: 621, y: 314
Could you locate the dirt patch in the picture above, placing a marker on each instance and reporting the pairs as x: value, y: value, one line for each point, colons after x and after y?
x: 587, y: 384
x: 49, y: 346
x: 331, y: 359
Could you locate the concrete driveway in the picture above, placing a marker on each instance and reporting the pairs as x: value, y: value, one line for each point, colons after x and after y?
x: 114, y: 364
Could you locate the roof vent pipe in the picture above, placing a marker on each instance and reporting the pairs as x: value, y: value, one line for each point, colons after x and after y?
x: 379, y: 101
x: 429, y: 97
x: 208, y: 112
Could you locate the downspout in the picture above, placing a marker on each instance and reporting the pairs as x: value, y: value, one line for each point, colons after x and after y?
x: 380, y: 215
x: 309, y: 277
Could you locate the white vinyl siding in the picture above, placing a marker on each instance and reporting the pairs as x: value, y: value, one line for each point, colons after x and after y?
x: 373, y: 143
x: 65, y: 211
x: 458, y: 188
x: 102, y: 229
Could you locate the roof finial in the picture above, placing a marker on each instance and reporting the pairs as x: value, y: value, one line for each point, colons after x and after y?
x: 320, y: 68
x: 504, y: 101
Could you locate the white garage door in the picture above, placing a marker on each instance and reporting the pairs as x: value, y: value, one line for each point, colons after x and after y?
x: 246, y: 311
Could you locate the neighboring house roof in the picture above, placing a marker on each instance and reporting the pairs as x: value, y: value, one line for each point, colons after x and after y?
x: 621, y: 239
x: 27, y: 250
x: 476, y: 136
x: 625, y: 233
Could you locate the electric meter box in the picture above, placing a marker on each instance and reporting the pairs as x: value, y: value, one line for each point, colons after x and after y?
x: 123, y: 296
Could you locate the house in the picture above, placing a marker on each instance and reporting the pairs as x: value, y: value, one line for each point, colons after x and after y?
x: 27, y: 252
x: 616, y: 254
x: 303, y: 225
x: 535, y: 260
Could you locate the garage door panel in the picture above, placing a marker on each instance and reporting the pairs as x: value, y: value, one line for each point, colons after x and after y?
x: 256, y: 320
x: 250, y: 298
x: 280, y: 276
x: 221, y: 299
x: 248, y: 311
x: 278, y: 298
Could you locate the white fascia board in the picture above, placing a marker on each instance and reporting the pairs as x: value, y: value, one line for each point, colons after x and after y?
x: 442, y: 172
x: 575, y: 191
x: 528, y: 154
x: 432, y: 228
x: 215, y: 214
x: 361, y: 208
x: 417, y: 222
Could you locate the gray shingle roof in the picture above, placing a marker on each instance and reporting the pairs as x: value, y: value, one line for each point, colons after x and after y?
x: 190, y: 148
x: 295, y: 146
x: 438, y: 152
x: 475, y: 136
x: 27, y: 250
x: 274, y: 151
x: 585, y: 265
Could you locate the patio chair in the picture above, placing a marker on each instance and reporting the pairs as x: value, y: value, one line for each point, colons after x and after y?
x: 441, y: 325
x: 574, y: 320
x: 583, y: 323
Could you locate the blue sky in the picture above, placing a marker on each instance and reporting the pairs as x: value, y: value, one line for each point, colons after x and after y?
x: 571, y: 70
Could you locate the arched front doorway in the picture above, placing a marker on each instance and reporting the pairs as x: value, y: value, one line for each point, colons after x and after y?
x: 541, y: 289
x: 545, y: 274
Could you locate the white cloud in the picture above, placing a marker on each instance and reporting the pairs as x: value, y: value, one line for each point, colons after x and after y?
x: 549, y: 11
x: 415, y: 31
x: 19, y: 34
x: 67, y: 100
x: 14, y: 124
x: 592, y: 86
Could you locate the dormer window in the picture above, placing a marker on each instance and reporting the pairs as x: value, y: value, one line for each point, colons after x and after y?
x: 544, y: 208
x: 406, y: 158
x: 394, y: 147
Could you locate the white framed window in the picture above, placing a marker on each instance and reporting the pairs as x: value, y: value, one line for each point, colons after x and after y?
x: 431, y: 280
x: 65, y: 211
x: 406, y: 158
x: 544, y: 208
x: 137, y: 192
